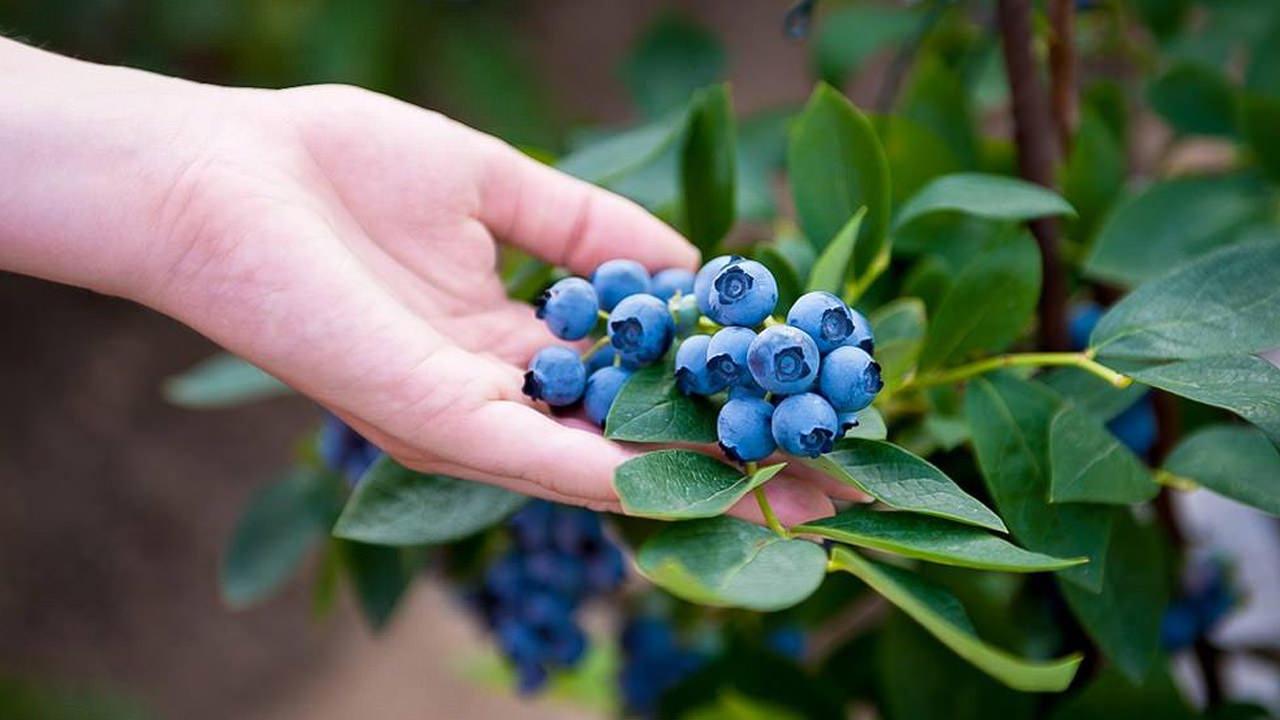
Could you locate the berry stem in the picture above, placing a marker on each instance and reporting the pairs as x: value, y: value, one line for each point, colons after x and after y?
x: 708, y: 325
x: 766, y: 509
x: 602, y: 315
x: 772, y: 320
x: 1072, y: 359
x: 597, y: 347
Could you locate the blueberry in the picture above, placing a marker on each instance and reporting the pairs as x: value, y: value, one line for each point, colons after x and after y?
x: 641, y: 329
x: 861, y: 337
x: 531, y: 525
x: 727, y: 355
x: 693, y: 377
x: 618, y: 279
x: 783, y: 360
x: 601, y: 358
x: 1136, y: 426
x: 848, y: 421
x: 744, y: 392
x: 602, y: 388
x: 849, y: 379
x: 787, y: 641
x: 344, y: 450
x: 805, y: 425
x: 743, y: 428
x: 561, y: 574
x: 743, y: 293
x: 684, y: 312
x: 825, y: 317
x: 606, y: 569
x: 666, y: 283
x: 570, y: 308
x: 1081, y: 321
x: 556, y: 374
x: 702, y: 281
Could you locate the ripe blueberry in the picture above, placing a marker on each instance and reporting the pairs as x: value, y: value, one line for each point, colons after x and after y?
x: 744, y: 430
x: 741, y: 392
x: 555, y: 375
x: 702, y: 281
x: 569, y: 307
x: 640, y: 328
x: 805, y: 425
x: 727, y: 355
x: 602, y: 388
x: 783, y: 360
x: 743, y: 293
x: 617, y: 279
x: 666, y: 283
x: 693, y: 377
x: 849, y: 378
x: 825, y: 317
x: 1136, y: 426
x: 848, y: 421
x: 861, y: 336
x: 1081, y: 321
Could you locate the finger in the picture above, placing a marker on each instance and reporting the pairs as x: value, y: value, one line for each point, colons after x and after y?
x: 568, y: 222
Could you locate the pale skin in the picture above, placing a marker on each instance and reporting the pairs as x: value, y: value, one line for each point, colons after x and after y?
x: 343, y: 241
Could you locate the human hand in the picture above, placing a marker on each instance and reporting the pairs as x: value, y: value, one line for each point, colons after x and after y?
x: 345, y: 242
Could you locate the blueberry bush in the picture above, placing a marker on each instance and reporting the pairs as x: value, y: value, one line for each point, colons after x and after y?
x: 980, y: 299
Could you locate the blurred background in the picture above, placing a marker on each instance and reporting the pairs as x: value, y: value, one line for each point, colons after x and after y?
x: 115, y: 506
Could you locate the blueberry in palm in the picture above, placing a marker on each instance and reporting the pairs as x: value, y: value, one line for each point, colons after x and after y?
x: 569, y: 307
x: 618, y: 279
x: 849, y: 379
x: 744, y: 429
x: 602, y: 389
x: 693, y: 375
x: 805, y: 425
x: 702, y: 281
x: 743, y: 293
x: 666, y: 283
x: 727, y: 355
x: 783, y: 360
x: 641, y: 329
x: 556, y: 375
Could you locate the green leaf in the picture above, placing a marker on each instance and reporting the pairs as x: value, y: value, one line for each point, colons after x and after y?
x: 707, y: 169
x: 1172, y: 222
x: 223, y: 380
x: 641, y: 163
x: 1232, y: 460
x: 683, y: 484
x: 649, y: 408
x: 899, y: 328
x: 903, y: 481
x: 1124, y: 616
x: 941, y: 614
x: 1195, y: 100
x: 1221, y: 304
x: 989, y: 304
x: 1260, y: 126
x: 849, y: 35
x: 673, y: 58
x: 1246, y: 385
x: 1090, y: 393
x: 829, y: 271
x: 1009, y: 422
x: 282, y: 523
x: 379, y: 577
x: 1088, y: 464
x: 790, y: 259
x: 930, y: 539
x: 761, y: 156
x: 836, y: 166
x: 1112, y: 697
x: 870, y: 427
x: 936, y: 97
x: 394, y: 505
x: 915, y: 153
x: 1093, y: 175
x: 993, y: 197
x: 728, y: 562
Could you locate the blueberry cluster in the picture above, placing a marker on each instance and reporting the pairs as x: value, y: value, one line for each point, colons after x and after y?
x: 344, y: 450
x: 643, y: 315
x: 653, y: 661
x: 797, y: 386
x: 1207, y: 596
x: 559, y: 558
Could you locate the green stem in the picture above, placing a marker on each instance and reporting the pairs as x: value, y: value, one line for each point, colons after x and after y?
x: 597, y: 347
x: 766, y: 509
x: 602, y: 315
x: 707, y: 324
x: 772, y: 320
x: 1082, y: 360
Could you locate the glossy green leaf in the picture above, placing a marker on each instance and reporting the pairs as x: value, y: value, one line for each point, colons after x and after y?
x: 1088, y: 464
x: 223, y: 380
x: 836, y: 165
x: 870, y: 426
x: 1195, y: 99
x: 379, y: 577
x: 282, y: 523
x: 990, y: 303
x: 394, y: 505
x: 903, y: 481
x: 728, y: 562
x: 994, y: 197
x: 941, y: 614
x: 830, y: 268
x: 649, y: 408
x: 930, y: 539
x: 1172, y: 222
x: 673, y: 58
x: 683, y: 485
x: 641, y: 162
x: 1232, y: 460
x: 707, y: 169
x: 899, y: 328
x: 1123, y: 618
x: 1090, y: 393
x: 1009, y: 421
x: 1246, y: 385
x: 1221, y: 304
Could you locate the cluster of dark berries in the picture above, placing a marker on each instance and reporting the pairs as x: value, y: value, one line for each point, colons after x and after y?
x: 344, y: 450
x: 653, y: 661
x: 643, y: 316
x: 559, y: 558
x: 796, y: 385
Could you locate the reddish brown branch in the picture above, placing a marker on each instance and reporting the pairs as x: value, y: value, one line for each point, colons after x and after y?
x: 1062, y: 71
x: 1034, y: 138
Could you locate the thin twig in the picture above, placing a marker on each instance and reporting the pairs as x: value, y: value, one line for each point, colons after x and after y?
x: 1062, y: 71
